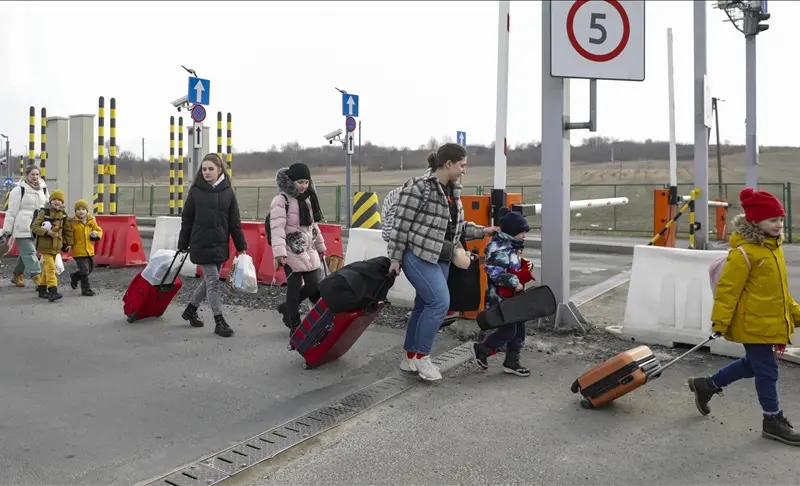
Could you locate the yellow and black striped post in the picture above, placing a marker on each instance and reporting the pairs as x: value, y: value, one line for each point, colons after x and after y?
x: 171, y: 165
x: 32, y: 136
x: 688, y: 206
x: 230, y: 147
x: 366, y: 211
x: 43, y: 142
x: 693, y: 226
x: 22, y: 166
x: 180, y: 165
x: 94, y: 203
x: 112, y: 159
x: 101, y: 154
x: 219, y: 135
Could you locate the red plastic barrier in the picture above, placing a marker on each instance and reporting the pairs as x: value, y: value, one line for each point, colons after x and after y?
x: 121, y: 245
x: 65, y: 257
x: 256, y: 237
x: 332, y: 233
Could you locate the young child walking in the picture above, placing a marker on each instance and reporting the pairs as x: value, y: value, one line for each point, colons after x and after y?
x: 752, y: 306
x: 53, y: 235
x: 507, y: 273
x: 85, y: 231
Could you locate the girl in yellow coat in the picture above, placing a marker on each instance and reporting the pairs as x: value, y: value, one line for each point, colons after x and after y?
x: 85, y: 231
x: 752, y: 306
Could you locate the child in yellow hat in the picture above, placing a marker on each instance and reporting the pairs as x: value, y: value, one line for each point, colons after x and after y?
x: 53, y: 235
x: 86, y: 232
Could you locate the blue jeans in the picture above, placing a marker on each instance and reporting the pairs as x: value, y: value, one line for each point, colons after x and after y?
x: 511, y: 335
x: 27, y: 257
x: 431, y: 303
x: 758, y: 362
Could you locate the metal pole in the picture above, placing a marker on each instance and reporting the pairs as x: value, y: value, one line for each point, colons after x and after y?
x: 501, y: 124
x: 673, y: 157
x: 700, y: 130
x: 715, y: 107
x: 751, y: 177
x: 195, y: 151
x: 555, y: 182
x: 142, y: 196
x: 348, y: 165
x: 359, y: 156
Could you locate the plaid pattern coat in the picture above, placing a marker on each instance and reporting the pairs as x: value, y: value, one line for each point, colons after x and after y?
x: 421, y: 217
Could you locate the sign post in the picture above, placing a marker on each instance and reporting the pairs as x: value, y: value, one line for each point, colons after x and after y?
x: 350, y: 112
x: 199, y: 95
x: 580, y: 39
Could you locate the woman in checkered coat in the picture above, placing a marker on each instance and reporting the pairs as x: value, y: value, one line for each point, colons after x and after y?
x: 428, y: 226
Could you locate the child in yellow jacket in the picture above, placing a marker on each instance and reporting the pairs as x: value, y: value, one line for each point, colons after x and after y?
x: 752, y: 306
x: 85, y: 231
x: 53, y: 235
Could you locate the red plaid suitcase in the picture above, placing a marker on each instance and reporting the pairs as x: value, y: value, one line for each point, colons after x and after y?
x: 324, y: 336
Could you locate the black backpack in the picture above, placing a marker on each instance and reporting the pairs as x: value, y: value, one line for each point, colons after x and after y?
x: 267, y: 221
x: 357, y: 286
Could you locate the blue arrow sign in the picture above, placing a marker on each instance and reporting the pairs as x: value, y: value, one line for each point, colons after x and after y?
x: 199, y: 91
x: 9, y: 181
x: 461, y: 137
x: 349, y: 105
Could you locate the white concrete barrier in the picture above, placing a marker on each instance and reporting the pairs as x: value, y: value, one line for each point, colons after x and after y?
x: 165, y: 237
x: 368, y: 243
x: 670, y: 301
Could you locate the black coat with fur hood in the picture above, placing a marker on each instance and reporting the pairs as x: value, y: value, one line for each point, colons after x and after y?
x: 210, y: 216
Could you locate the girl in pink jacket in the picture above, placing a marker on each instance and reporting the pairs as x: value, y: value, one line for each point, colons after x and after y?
x: 297, y: 242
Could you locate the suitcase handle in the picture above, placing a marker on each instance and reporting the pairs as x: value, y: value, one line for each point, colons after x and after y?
x: 713, y: 336
x: 169, y: 270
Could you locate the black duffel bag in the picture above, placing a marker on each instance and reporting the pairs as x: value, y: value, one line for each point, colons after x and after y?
x: 465, y: 286
x: 357, y: 286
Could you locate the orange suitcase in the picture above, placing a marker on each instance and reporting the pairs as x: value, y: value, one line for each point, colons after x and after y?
x: 622, y: 374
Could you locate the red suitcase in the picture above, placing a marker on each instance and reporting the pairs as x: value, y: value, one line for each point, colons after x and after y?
x: 143, y: 299
x: 323, y: 336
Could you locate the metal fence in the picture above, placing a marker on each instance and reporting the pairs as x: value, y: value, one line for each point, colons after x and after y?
x: 634, y: 218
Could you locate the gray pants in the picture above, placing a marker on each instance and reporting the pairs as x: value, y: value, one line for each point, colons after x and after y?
x: 210, y: 287
x: 27, y: 257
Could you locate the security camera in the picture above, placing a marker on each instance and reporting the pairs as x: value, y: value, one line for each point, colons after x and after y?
x: 333, y: 135
x: 182, y: 102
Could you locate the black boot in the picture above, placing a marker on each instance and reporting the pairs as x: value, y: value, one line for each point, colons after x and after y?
x: 511, y: 365
x: 86, y: 289
x: 222, y: 328
x: 52, y: 294
x: 293, y: 325
x: 777, y: 427
x: 283, y: 311
x: 481, y: 356
x: 42, y: 289
x: 190, y: 314
x: 74, y: 278
x: 703, y: 389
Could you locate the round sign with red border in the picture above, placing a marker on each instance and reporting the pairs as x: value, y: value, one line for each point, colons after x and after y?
x: 626, y: 32
x: 350, y: 124
x: 198, y: 113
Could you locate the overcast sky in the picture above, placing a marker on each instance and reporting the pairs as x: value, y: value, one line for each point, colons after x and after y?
x: 421, y: 69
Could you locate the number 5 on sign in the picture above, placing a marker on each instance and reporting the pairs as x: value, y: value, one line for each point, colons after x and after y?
x: 598, y: 39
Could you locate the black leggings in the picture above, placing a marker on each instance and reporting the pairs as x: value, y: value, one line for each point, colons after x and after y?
x: 300, y: 286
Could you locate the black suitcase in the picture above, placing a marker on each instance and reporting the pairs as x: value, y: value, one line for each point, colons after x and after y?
x: 534, y: 303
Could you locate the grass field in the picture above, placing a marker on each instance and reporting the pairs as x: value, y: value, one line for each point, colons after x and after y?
x: 634, y: 180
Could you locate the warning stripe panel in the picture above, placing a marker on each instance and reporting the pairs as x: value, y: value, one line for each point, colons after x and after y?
x: 366, y: 211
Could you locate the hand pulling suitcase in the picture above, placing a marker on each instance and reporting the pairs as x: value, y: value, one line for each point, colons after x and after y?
x: 531, y: 304
x: 143, y: 299
x: 323, y: 336
x: 622, y: 374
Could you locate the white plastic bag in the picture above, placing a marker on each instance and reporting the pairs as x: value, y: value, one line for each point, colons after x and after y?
x: 59, y: 264
x: 157, y: 268
x: 242, y: 277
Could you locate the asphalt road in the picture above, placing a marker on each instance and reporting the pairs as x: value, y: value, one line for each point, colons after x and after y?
x: 474, y: 429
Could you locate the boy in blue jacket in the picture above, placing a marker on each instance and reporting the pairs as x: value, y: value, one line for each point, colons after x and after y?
x: 507, y: 274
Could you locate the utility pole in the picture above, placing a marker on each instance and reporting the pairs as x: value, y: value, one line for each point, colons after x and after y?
x: 359, y: 156
x: 715, y: 108
x: 747, y: 16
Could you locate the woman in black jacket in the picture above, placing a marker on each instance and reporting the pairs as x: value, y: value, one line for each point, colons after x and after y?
x: 210, y: 217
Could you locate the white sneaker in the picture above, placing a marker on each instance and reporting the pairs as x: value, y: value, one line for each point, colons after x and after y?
x: 426, y: 370
x: 408, y: 364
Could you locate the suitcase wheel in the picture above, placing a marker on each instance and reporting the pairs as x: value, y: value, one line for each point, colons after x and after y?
x: 575, y: 387
x: 132, y: 318
x: 586, y: 404
x: 290, y: 347
x: 306, y: 366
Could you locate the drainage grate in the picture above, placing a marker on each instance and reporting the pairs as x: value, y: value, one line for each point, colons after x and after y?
x: 222, y: 465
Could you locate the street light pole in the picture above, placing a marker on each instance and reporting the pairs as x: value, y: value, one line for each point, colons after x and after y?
x: 8, y: 155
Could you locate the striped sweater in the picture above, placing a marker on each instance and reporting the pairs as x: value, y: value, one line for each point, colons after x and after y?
x: 420, y: 228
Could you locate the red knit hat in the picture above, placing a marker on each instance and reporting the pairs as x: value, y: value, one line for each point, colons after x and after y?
x: 760, y: 205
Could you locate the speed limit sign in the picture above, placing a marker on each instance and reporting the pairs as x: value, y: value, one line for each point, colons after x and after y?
x: 597, y: 39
